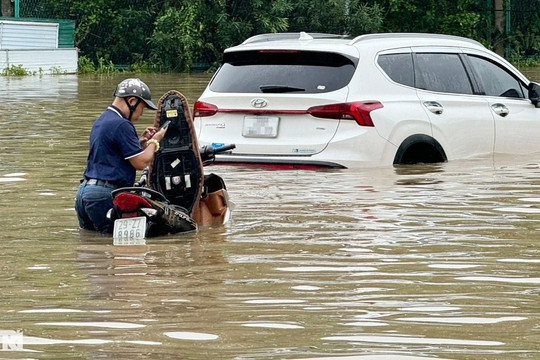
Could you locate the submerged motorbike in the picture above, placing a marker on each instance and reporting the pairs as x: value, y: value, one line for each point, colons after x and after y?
x: 142, y: 211
x: 173, y: 195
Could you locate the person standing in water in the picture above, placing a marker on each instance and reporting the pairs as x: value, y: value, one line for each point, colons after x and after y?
x: 116, y: 153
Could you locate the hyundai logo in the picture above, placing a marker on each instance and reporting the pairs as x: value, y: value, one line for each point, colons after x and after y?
x: 258, y: 103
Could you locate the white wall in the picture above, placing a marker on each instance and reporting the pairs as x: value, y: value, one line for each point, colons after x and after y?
x: 52, y: 61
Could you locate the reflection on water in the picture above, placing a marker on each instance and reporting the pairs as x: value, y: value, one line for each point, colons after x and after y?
x: 435, y: 261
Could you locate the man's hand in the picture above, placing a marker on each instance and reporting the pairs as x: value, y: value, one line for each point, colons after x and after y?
x: 147, y: 135
x: 160, y: 133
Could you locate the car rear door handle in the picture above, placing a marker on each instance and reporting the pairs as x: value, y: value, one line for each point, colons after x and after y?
x: 500, y: 109
x: 434, y: 107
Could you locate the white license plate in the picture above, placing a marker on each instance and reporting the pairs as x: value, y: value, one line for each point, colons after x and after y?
x: 261, y: 126
x: 129, y: 231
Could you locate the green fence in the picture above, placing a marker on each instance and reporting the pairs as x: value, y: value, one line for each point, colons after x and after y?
x: 523, y: 34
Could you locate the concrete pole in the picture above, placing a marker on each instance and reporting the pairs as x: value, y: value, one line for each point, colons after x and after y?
x: 7, y: 8
x: 499, y: 26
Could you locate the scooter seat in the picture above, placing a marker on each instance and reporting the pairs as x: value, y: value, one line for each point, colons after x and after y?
x: 177, y: 171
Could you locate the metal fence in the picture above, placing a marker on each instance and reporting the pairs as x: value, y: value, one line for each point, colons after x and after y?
x: 523, y: 32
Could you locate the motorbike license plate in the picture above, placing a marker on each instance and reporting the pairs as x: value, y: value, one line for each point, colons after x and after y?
x: 260, y: 126
x: 129, y: 231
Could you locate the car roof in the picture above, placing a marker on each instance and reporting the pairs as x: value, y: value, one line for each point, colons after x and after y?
x: 346, y: 45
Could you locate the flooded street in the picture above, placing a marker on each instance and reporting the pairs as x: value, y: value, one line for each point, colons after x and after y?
x: 410, y: 263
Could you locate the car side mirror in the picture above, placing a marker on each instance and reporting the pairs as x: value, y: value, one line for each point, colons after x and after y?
x: 534, y: 94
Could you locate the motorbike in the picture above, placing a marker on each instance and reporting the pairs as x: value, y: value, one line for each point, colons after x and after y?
x: 141, y: 211
x: 173, y: 195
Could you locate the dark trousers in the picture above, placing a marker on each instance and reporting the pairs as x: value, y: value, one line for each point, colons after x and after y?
x: 92, y: 204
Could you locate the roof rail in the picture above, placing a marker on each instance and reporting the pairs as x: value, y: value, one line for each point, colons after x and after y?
x: 410, y: 35
x: 286, y: 36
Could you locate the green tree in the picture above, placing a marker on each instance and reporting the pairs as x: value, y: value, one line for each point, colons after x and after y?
x: 177, y: 38
x: 199, y: 31
x: 362, y: 18
x: 174, y: 34
x: 114, y: 30
x: 461, y: 17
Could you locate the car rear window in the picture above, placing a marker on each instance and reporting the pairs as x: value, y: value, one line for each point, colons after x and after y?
x: 283, y: 71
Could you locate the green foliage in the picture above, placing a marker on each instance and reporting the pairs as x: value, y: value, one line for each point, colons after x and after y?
x: 87, y: 66
x: 525, y: 49
x: 55, y: 70
x: 364, y: 19
x: 114, y: 30
x: 521, y: 62
x: 145, y: 67
x: 18, y: 70
x: 105, y: 66
x: 15, y: 70
x: 526, y: 44
x: 461, y: 17
x: 176, y: 38
x: 173, y: 35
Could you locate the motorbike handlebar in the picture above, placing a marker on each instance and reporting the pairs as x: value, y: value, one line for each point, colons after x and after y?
x: 224, y: 148
x: 208, y: 152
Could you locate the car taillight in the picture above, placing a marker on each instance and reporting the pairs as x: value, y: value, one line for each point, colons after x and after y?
x: 357, y: 111
x: 203, y: 109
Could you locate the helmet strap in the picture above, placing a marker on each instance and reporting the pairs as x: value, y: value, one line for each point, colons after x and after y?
x: 132, y: 107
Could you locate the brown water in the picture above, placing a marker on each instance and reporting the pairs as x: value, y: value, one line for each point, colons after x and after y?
x: 411, y: 263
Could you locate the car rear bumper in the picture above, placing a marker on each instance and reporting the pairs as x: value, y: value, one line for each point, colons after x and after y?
x: 277, y: 161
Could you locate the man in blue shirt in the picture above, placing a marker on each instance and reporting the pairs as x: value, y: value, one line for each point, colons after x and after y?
x: 116, y: 153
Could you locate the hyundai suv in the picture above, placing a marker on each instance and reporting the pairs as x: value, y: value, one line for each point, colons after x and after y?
x: 380, y: 99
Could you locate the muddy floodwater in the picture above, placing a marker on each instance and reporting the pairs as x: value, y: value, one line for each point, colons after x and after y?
x: 410, y: 263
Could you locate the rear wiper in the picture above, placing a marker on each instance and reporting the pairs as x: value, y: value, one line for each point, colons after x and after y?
x: 279, y: 88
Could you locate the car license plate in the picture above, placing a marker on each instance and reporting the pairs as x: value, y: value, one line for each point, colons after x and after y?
x: 260, y: 126
x: 129, y: 230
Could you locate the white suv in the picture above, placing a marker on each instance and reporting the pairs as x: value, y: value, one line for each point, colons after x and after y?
x: 380, y: 99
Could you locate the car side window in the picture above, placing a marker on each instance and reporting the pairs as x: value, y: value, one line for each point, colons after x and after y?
x: 494, y: 80
x: 399, y: 67
x: 442, y: 72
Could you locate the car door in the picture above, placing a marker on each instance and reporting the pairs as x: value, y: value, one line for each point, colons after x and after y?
x: 517, y: 120
x: 461, y: 121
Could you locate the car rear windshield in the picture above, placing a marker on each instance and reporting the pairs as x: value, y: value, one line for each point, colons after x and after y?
x: 283, y: 71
